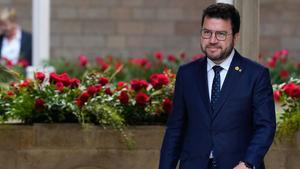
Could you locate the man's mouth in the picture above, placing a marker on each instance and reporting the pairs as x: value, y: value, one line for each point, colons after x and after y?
x: 213, y: 48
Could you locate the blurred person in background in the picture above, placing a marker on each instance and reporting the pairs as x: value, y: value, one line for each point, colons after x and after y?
x: 15, y: 43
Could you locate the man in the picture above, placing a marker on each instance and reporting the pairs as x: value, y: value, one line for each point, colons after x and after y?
x: 15, y: 44
x: 223, y: 114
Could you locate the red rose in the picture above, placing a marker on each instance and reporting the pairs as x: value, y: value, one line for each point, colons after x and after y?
x: 271, y: 63
x: 276, y: 55
x: 83, y: 60
x: 172, y: 58
x: 9, y: 93
x: 78, y: 102
x: 158, y: 55
x: 39, y: 103
x: 102, y: 63
x: 103, y: 80
x: 104, y: 66
x: 148, y: 65
x: 288, y: 87
x: 298, y: 65
x: 295, y: 92
x: 59, y: 86
x: 25, y: 83
x: 284, y: 74
x: 40, y: 76
x: 277, y: 95
x: 292, y: 89
x: 53, y: 78
x: 8, y: 62
x: 143, y: 62
x: 284, y: 52
x: 138, y: 84
x: 121, y: 85
x: 23, y: 62
x: 84, y: 97
x: 108, y: 91
x: 157, y: 80
x: 74, y: 83
x: 93, y: 89
x: 182, y: 55
x: 123, y: 97
x: 167, y: 105
x: 142, y: 99
x: 65, y: 79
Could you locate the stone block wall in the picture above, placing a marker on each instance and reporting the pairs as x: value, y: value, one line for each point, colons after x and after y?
x: 280, y: 25
x: 119, y: 27
x: 138, y: 27
x: 70, y: 146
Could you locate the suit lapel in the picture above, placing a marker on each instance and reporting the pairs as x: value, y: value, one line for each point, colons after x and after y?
x: 1, y: 41
x: 230, y: 82
x: 201, y: 80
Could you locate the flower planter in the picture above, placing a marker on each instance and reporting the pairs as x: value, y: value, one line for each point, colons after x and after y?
x: 69, y: 146
x: 285, y: 154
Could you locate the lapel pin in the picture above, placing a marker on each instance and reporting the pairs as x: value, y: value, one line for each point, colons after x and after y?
x: 238, y: 69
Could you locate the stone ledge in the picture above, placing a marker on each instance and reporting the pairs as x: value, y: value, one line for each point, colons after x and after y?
x: 71, y: 146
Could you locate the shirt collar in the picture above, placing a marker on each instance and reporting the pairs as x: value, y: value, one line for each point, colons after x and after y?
x: 225, y: 64
x: 19, y: 33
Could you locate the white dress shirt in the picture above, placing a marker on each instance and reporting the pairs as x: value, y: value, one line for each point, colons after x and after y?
x: 210, y: 75
x: 210, y: 72
x: 11, y: 49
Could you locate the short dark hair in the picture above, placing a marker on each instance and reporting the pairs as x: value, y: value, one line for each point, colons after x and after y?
x: 223, y: 11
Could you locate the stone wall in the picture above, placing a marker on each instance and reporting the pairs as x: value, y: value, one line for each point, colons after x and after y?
x: 69, y: 146
x: 137, y: 27
x: 119, y: 27
x: 280, y: 25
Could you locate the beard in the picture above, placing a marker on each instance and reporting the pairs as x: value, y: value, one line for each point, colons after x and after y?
x: 224, y: 54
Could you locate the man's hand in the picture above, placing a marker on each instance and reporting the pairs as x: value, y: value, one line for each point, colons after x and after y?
x: 241, y: 165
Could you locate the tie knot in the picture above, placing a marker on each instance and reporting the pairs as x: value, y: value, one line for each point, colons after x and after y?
x: 217, y: 69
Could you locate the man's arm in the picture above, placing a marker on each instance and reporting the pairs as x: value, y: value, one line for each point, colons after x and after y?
x: 264, y: 122
x: 172, y: 143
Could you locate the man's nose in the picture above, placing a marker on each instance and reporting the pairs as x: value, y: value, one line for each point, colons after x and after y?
x: 213, y: 38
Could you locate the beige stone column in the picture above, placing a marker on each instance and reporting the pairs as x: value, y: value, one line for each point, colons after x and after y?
x: 41, y: 31
x: 248, y: 44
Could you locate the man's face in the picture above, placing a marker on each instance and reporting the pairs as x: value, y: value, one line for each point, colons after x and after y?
x: 217, y: 48
x: 5, y: 26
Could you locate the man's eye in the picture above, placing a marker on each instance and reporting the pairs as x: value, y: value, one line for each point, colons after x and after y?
x: 221, y: 33
x: 206, y: 32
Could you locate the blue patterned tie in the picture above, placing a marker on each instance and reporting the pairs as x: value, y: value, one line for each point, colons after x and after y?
x: 216, y: 87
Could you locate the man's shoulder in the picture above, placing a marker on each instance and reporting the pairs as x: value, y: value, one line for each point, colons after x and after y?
x: 251, y: 64
x: 1, y: 37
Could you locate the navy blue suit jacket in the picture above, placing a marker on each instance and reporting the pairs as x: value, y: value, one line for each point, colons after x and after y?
x: 26, y: 46
x: 241, y: 129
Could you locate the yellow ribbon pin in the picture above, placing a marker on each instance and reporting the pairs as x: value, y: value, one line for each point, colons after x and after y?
x: 238, y: 69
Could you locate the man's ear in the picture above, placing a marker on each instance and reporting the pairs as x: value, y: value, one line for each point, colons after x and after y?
x: 236, y: 37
